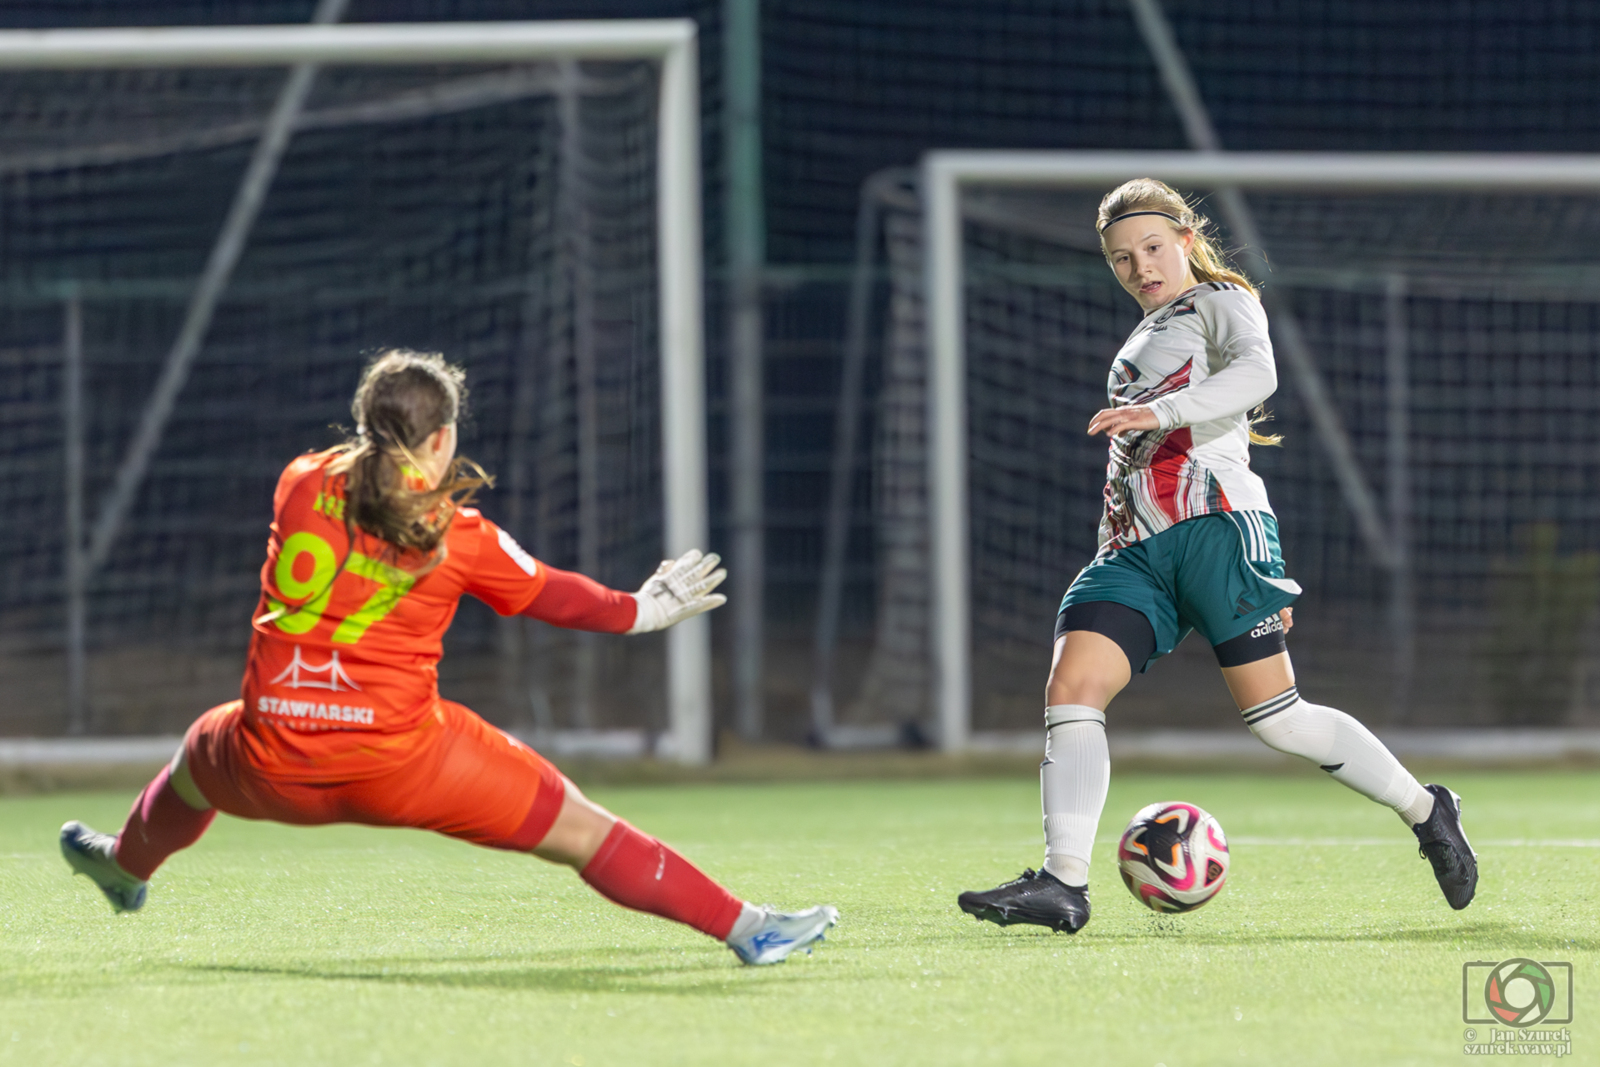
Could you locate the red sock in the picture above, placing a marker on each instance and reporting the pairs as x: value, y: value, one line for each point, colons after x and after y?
x: 639, y: 872
x: 160, y: 824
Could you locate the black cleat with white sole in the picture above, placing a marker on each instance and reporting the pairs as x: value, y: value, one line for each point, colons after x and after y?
x: 1038, y: 897
x: 1443, y: 843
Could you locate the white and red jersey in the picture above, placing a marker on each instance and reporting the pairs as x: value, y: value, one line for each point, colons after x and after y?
x: 1201, y: 362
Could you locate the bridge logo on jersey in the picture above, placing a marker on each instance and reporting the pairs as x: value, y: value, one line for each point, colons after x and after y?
x: 301, y: 675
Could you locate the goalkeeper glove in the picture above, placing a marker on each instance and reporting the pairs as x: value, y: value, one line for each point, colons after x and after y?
x: 679, y: 589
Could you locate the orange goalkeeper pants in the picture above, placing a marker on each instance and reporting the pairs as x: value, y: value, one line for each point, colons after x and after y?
x: 464, y: 778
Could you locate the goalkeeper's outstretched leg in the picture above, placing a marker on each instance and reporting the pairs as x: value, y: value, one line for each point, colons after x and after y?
x: 640, y: 872
x: 462, y: 790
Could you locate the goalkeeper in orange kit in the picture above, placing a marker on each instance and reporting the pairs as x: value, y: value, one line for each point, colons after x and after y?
x: 341, y: 720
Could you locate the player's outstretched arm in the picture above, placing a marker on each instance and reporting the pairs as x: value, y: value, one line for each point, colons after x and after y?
x: 679, y: 589
x: 574, y: 601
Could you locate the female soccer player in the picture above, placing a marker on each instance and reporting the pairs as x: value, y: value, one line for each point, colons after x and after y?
x: 372, y: 546
x: 1188, y: 541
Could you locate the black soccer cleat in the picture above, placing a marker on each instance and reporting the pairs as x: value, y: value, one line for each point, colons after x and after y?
x: 1444, y: 844
x: 1038, y: 897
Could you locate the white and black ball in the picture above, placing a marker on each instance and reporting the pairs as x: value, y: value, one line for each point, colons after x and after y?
x: 1173, y: 856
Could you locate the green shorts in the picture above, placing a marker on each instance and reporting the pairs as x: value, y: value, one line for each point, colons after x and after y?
x: 1219, y: 574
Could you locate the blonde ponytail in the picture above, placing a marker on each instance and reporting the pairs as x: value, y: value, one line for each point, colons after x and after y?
x: 1206, y: 262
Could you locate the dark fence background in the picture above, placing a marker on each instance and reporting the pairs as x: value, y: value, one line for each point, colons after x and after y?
x: 850, y: 88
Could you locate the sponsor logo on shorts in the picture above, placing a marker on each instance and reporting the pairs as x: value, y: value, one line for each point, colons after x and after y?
x: 1268, y: 626
x: 311, y: 709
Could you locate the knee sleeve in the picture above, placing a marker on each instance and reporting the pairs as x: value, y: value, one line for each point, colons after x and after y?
x: 1336, y: 743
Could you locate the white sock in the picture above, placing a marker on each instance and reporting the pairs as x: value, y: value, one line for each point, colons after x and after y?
x: 1072, y: 784
x: 749, y: 921
x: 1341, y: 746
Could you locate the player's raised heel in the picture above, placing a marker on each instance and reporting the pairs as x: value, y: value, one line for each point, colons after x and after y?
x: 1038, y: 897
x: 89, y: 853
x: 1443, y: 842
x: 783, y: 933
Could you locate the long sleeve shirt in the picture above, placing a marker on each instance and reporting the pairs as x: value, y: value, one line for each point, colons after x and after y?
x: 1200, y: 362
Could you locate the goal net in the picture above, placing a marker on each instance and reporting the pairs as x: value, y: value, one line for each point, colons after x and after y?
x: 505, y: 213
x: 1455, y: 337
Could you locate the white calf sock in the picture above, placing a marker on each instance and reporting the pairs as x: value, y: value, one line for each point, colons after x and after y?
x: 749, y: 921
x: 1072, y: 785
x: 1341, y: 746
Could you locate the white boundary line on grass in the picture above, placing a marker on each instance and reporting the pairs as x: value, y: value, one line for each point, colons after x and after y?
x: 1350, y: 842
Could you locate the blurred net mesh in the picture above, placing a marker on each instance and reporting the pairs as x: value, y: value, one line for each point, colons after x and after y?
x: 1488, y: 304
x: 853, y: 87
x: 504, y: 216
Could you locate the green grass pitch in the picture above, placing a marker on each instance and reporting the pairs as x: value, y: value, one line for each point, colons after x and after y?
x: 345, y: 945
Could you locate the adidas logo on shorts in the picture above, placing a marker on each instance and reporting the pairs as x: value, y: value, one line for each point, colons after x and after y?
x: 1272, y: 624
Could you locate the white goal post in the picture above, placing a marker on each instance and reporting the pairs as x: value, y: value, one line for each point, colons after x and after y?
x: 944, y: 175
x: 671, y: 42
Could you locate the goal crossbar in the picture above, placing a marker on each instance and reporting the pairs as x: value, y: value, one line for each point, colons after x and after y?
x: 678, y: 225
x: 945, y: 173
x: 279, y: 45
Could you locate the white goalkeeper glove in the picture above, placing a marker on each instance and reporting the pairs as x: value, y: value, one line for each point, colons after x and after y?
x: 679, y: 589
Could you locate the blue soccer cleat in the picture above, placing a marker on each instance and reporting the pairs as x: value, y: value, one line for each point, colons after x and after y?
x: 781, y: 933
x: 89, y: 853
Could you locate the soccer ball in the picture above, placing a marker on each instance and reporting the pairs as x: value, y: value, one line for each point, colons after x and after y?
x: 1173, y: 857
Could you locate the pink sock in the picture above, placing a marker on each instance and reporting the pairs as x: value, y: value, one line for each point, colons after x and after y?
x: 639, y: 872
x: 160, y: 824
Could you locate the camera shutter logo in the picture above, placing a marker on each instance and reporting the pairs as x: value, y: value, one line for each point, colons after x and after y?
x: 1517, y: 992
x: 1520, y: 992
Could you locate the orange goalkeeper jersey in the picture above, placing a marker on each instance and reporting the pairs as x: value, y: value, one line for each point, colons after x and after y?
x: 342, y: 678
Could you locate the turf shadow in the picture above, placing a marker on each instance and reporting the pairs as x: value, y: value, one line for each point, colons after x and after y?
x: 1488, y: 933
x: 697, y: 980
